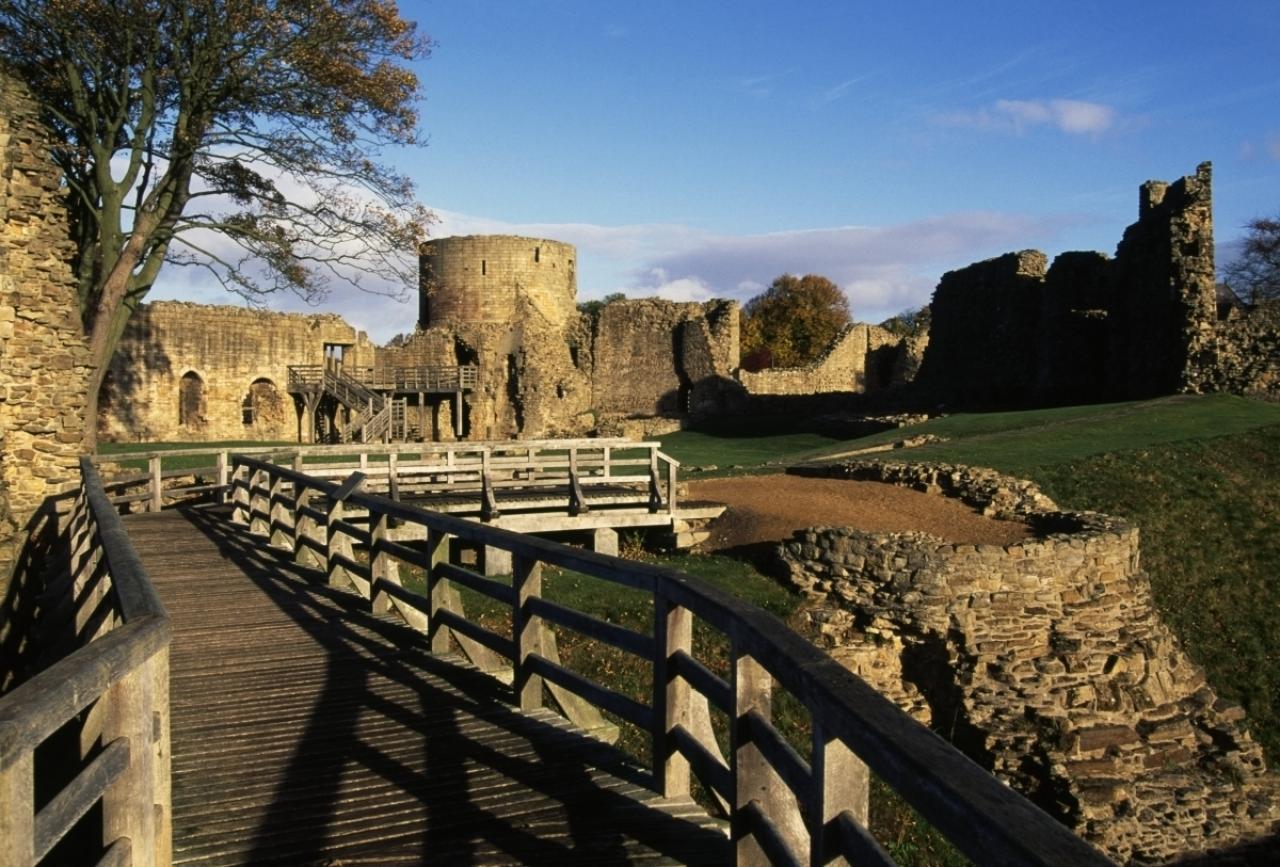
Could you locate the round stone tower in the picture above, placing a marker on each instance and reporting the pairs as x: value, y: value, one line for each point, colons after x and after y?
x: 479, y: 279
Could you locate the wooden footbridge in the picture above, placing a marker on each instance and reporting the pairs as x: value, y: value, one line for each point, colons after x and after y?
x: 258, y: 680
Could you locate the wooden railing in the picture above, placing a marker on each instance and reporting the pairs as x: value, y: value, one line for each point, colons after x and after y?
x: 108, y: 697
x: 442, y: 378
x: 405, y: 469
x: 786, y: 805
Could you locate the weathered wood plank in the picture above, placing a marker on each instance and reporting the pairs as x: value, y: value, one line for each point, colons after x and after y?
x: 307, y: 729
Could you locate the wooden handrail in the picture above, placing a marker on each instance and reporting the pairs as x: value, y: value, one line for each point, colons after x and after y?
x: 783, y: 805
x: 483, y: 467
x: 123, y: 666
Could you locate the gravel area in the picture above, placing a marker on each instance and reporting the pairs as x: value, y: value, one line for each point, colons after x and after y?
x: 765, y: 509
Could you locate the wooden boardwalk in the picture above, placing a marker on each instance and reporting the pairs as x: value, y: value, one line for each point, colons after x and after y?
x: 308, y: 731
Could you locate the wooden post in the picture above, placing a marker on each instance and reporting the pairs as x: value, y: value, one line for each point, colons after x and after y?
x: 240, y: 495
x: 673, y: 631
x: 457, y: 414
x: 332, y: 571
x: 607, y: 455
x: 577, y: 503
x: 437, y: 587
x: 841, y: 781
x: 655, y: 490
x: 280, y: 535
x: 128, y: 805
x: 488, y: 501
x: 257, y: 524
x: 671, y: 487
x: 754, y: 779
x: 156, y: 482
x: 381, y: 566
x: 526, y: 630
x: 162, y: 769
x: 223, y: 493
x: 17, y: 813
x: 308, y: 528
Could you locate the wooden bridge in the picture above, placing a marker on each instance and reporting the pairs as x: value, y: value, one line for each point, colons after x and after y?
x: 261, y: 683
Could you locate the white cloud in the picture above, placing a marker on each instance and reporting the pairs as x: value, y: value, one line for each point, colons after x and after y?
x: 1070, y: 116
x: 882, y: 269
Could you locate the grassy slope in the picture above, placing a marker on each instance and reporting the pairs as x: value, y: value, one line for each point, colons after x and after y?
x: 1199, y: 475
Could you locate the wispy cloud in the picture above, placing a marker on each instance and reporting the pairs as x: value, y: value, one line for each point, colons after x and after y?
x: 760, y: 86
x: 837, y: 92
x: 1070, y: 116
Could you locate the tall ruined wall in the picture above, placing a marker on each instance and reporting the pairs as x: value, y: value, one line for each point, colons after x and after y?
x: 1046, y: 662
x: 1164, y: 300
x: 44, y: 360
x: 191, y: 372
x: 477, y: 278
x: 1007, y: 332
x: 852, y: 363
x: 648, y: 355
x: 983, y: 331
x: 1072, y: 331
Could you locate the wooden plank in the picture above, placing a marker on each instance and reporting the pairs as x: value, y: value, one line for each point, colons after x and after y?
x: 308, y: 730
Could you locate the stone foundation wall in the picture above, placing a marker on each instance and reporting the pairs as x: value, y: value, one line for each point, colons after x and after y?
x: 1046, y: 662
x: 851, y: 364
x: 231, y: 363
x: 44, y: 359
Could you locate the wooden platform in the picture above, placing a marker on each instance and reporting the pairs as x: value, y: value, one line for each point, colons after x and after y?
x: 308, y: 731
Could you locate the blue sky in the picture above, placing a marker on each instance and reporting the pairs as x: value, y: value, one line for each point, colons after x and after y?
x: 699, y: 149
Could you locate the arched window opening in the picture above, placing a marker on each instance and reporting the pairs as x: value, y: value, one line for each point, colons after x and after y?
x: 191, y: 400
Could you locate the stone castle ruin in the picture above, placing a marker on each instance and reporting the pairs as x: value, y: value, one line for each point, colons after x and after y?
x: 1014, y: 331
x: 1017, y: 331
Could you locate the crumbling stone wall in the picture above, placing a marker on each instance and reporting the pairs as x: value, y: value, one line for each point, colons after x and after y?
x: 1008, y: 332
x: 852, y: 363
x: 983, y: 331
x: 1165, y: 305
x: 1046, y: 662
x: 231, y: 363
x: 648, y: 355
x: 1242, y: 355
x: 44, y: 360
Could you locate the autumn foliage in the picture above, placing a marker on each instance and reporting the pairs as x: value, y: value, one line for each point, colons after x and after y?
x: 792, y: 322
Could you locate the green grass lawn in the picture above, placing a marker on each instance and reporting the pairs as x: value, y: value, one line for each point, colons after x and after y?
x: 1199, y: 475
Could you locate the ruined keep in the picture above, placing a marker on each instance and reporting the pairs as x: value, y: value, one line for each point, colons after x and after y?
x: 1016, y: 331
x: 44, y: 359
x: 1045, y: 661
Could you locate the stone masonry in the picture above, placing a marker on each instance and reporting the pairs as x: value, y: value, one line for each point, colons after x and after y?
x: 1044, y: 661
x: 855, y: 362
x: 1014, y: 331
x: 44, y: 360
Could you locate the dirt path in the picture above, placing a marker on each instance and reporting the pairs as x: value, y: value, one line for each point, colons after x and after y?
x: 771, y: 508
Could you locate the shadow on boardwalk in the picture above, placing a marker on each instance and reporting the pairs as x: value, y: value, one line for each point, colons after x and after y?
x: 309, y: 731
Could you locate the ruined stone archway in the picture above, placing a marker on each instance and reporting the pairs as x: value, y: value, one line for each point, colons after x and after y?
x: 263, y: 407
x: 191, y: 402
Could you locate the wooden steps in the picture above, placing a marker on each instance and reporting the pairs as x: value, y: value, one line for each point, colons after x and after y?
x: 308, y: 731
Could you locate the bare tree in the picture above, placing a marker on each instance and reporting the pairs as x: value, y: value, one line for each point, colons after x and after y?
x: 237, y: 135
x: 1255, y: 274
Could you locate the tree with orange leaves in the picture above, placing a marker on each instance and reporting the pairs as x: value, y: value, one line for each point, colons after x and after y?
x: 236, y: 135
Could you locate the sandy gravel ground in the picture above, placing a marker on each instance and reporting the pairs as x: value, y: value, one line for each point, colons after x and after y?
x: 765, y: 509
